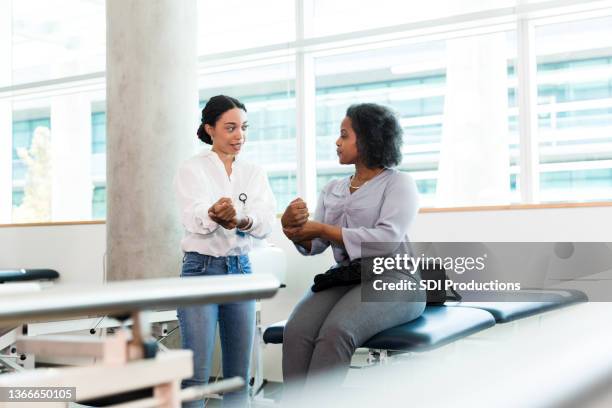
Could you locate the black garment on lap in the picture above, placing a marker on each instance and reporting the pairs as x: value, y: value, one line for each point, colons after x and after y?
x: 350, y: 274
x: 339, y: 276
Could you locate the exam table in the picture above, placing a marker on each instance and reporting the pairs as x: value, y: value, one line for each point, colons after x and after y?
x: 128, y: 359
x: 442, y: 325
x: 18, y: 281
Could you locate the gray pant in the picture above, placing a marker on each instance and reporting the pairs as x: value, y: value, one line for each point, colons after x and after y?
x: 326, y: 328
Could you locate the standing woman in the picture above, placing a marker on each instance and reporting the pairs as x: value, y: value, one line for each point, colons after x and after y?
x: 377, y: 204
x: 226, y: 206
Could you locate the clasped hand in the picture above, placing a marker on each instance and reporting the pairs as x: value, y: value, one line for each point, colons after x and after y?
x: 295, y: 222
x: 223, y: 213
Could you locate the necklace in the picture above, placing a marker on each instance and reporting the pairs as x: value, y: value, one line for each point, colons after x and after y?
x: 364, y: 183
x: 354, y: 187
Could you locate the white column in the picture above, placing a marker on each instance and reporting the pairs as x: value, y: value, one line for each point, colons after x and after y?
x: 305, y: 109
x: 152, y: 117
x: 474, y: 154
x: 6, y: 112
x: 72, y: 186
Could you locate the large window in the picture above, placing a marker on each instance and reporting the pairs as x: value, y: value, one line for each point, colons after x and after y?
x: 267, y: 90
x: 473, y: 84
x: 345, y: 16
x: 574, y: 107
x: 459, y: 144
x: 55, y: 163
x: 56, y: 39
x: 237, y: 24
x: 53, y: 61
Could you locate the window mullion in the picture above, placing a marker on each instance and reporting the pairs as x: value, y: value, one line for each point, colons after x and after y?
x: 305, y: 108
x: 527, y: 104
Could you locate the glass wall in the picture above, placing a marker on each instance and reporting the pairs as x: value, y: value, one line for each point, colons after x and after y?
x: 434, y: 88
x: 448, y: 69
x: 237, y: 24
x: 574, y: 77
x: 53, y: 61
x: 345, y: 16
x: 54, y: 170
x: 56, y: 39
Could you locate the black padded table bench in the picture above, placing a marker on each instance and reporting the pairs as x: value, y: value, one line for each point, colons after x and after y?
x: 436, y: 327
x: 518, y: 305
x: 15, y: 276
x: 22, y: 275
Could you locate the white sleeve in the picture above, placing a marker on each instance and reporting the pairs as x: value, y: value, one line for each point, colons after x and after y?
x: 194, y: 200
x: 262, y: 208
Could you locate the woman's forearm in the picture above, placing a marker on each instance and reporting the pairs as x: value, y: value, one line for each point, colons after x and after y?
x: 304, y: 235
x: 331, y: 233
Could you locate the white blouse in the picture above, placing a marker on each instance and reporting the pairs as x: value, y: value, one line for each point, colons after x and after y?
x: 200, y: 182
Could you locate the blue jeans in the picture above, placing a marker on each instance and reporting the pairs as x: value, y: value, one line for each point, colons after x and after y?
x: 236, y: 328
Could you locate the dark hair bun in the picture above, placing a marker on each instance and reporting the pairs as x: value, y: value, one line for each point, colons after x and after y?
x: 215, y: 107
x: 203, y: 135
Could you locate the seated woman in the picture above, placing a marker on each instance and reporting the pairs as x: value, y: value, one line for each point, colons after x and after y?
x: 375, y: 205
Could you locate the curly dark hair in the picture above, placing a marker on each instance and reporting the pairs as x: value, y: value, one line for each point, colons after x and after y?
x: 215, y: 107
x: 379, y: 134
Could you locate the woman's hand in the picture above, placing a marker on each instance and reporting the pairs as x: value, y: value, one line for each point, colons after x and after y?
x: 295, y: 215
x: 223, y: 213
x: 307, y: 232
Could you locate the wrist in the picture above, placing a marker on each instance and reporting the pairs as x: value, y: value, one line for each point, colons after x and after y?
x: 244, y: 223
x: 320, y: 229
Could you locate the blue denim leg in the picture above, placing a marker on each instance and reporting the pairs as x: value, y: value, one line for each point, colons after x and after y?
x: 198, y: 324
x: 236, y: 324
x: 237, y: 330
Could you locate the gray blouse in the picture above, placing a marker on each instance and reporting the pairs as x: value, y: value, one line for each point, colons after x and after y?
x: 381, y: 211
